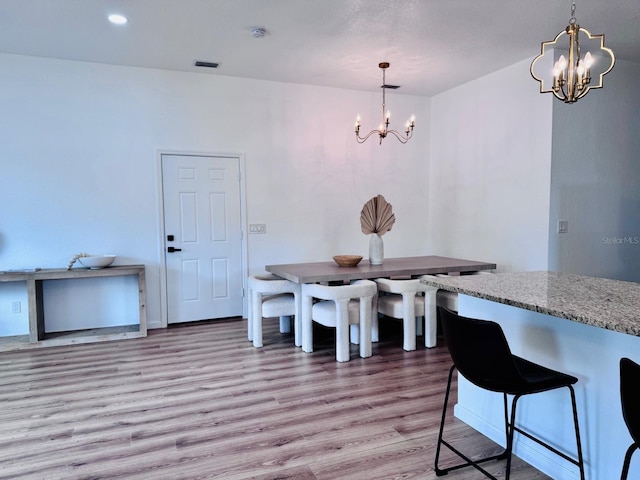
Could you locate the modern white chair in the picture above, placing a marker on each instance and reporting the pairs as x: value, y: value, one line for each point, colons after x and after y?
x: 339, y: 307
x: 271, y: 296
x: 449, y: 300
x: 442, y: 298
x: 445, y: 298
x: 409, y: 301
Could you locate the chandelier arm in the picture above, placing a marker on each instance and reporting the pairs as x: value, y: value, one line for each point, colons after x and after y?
x: 582, y: 93
x: 400, y: 137
x: 560, y: 94
x: 364, y: 139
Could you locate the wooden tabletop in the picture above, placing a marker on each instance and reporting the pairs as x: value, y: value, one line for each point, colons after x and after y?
x: 65, y: 273
x: 391, y: 267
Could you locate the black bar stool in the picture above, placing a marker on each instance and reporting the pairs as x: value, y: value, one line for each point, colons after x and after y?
x: 630, y: 399
x: 480, y: 352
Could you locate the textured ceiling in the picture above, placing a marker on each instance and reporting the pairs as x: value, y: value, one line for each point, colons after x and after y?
x: 432, y: 45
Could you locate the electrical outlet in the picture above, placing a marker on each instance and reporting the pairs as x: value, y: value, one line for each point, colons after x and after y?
x: 563, y: 226
x: 259, y: 228
x: 16, y: 307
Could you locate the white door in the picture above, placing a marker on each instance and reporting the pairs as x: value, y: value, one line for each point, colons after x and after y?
x: 203, y: 243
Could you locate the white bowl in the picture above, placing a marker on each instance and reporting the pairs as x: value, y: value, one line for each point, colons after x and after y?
x: 97, y: 261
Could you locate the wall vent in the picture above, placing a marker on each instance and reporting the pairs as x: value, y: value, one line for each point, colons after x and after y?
x: 206, y: 64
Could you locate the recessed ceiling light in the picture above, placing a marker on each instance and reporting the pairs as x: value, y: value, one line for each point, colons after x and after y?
x: 117, y: 19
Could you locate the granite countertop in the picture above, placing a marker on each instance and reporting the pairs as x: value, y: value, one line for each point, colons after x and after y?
x: 601, y: 302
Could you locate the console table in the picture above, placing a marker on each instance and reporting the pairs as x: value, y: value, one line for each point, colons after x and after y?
x: 38, y: 337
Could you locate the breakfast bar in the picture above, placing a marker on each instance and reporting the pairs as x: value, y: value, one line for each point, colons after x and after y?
x: 576, y: 324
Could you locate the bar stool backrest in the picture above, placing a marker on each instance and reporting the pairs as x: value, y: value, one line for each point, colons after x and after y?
x: 630, y: 400
x: 480, y: 352
x: 630, y: 396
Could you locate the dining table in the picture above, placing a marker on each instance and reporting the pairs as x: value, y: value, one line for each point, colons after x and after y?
x: 331, y: 272
x: 316, y: 272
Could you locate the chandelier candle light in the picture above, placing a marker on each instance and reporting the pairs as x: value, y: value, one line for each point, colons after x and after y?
x: 572, y: 77
x: 383, y: 129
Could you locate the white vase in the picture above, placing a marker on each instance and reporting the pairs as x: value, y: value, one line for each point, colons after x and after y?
x: 376, y: 249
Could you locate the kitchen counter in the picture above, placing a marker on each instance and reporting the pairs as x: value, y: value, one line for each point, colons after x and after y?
x: 600, y: 302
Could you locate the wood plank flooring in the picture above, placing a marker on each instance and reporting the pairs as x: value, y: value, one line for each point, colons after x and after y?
x: 198, y: 401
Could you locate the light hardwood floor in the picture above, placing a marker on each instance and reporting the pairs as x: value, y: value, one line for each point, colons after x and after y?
x: 198, y: 401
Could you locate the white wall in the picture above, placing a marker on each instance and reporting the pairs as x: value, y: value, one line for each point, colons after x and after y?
x: 79, y: 147
x: 507, y: 163
x: 490, y: 171
x: 595, y: 180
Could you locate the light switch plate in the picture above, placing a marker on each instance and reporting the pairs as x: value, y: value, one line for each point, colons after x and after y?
x: 257, y: 228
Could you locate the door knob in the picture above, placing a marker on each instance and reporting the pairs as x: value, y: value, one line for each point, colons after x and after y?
x: 173, y: 249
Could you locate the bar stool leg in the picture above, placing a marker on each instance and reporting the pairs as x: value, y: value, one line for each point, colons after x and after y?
x: 580, y: 462
x: 627, y: 461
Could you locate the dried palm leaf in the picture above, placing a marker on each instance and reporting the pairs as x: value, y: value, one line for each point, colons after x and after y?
x: 377, y: 216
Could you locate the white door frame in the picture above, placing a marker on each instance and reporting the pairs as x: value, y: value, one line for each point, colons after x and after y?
x: 162, y: 234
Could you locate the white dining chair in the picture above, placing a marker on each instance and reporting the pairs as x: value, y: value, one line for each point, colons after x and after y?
x: 347, y: 308
x: 445, y: 298
x: 271, y: 296
x: 442, y: 298
x: 410, y: 301
x: 449, y: 300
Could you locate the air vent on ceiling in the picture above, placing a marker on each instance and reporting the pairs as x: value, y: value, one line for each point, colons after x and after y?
x: 206, y: 64
x: 392, y: 87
